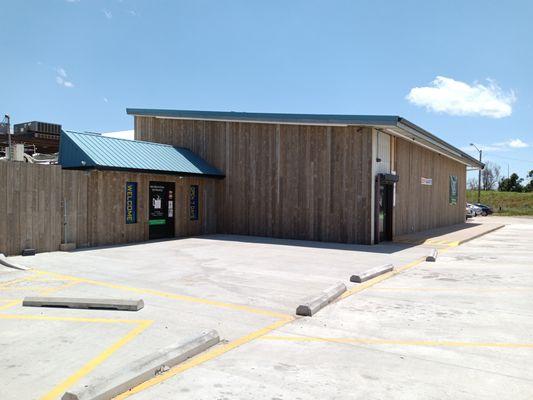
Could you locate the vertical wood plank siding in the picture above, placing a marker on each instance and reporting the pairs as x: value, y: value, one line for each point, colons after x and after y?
x: 32, y: 214
x: 420, y: 207
x: 286, y: 181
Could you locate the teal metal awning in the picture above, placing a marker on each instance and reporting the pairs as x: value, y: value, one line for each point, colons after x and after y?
x: 94, y: 151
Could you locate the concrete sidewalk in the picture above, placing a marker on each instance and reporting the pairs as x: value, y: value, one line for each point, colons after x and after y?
x: 455, y: 234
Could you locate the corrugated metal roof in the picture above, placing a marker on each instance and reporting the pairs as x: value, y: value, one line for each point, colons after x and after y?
x: 88, y: 150
x: 391, y: 124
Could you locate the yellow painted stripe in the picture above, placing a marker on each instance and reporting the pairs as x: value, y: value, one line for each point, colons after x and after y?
x: 92, y: 364
x: 436, y: 343
x: 208, y: 355
x: 71, y: 319
x: 13, y: 303
x: 18, y: 280
x: 373, y: 281
x: 453, y: 289
x: 58, y: 288
x: 191, y: 299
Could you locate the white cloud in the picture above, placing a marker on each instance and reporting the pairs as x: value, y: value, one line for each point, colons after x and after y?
x: 517, y: 144
x: 61, y: 78
x: 500, y: 146
x: 446, y: 95
x: 106, y: 100
x: 107, y: 14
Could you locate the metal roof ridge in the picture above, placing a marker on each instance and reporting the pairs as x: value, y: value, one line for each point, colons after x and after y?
x: 99, y: 135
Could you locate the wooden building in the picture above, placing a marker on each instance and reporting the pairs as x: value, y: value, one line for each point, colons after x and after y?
x: 337, y: 178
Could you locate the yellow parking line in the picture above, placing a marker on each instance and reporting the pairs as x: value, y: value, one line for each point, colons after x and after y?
x: 373, y: 281
x: 203, y: 357
x: 72, y: 319
x: 436, y: 343
x: 92, y: 364
x: 173, y: 296
x: 12, y: 282
x: 453, y: 289
x: 58, y: 288
x: 12, y: 303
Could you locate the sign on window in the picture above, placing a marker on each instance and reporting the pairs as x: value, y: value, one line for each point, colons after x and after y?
x: 131, y: 202
x: 193, y: 203
x: 453, y: 189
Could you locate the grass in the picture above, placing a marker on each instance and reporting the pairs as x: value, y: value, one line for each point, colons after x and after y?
x: 504, y: 203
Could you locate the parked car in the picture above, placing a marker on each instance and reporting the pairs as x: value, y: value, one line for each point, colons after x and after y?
x: 485, y: 210
x: 475, y: 209
x: 469, y: 213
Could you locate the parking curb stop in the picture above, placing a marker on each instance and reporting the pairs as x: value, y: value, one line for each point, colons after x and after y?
x: 371, y: 273
x: 70, y: 302
x: 139, y: 371
x: 432, y: 256
x: 314, y: 304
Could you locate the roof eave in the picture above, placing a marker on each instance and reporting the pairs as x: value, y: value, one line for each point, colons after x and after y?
x: 146, y: 171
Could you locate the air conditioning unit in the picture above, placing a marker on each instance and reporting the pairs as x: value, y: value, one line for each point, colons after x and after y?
x: 16, y: 153
x: 36, y: 126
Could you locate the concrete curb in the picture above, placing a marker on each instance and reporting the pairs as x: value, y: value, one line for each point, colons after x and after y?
x: 5, y: 263
x: 432, y: 256
x: 69, y: 302
x: 481, y: 234
x: 313, y: 305
x: 139, y: 371
x: 371, y: 273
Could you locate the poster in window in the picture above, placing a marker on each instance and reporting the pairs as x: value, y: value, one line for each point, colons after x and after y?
x: 453, y: 190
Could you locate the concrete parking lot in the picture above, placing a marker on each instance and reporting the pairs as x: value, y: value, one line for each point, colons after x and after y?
x: 457, y: 328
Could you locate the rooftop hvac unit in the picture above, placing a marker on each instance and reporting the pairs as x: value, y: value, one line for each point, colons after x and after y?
x: 16, y: 153
x: 36, y: 126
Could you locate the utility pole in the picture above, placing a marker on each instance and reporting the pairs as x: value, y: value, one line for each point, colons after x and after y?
x: 479, y: 181
x: 8, y: 137
x: 479, y: 176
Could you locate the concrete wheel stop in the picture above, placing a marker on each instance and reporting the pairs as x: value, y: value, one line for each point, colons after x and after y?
x: 314, y: 304
x: 98, y: 304
x: 139, y: 371
x: 371, y: 273
x: 432, y: 256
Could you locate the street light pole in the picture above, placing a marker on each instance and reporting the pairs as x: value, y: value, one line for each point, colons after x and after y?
x: 479, y: 175
x: 8, y: 137
x: 479, y: 181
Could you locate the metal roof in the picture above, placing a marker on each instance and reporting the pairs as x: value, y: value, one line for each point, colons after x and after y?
x: 89, y: 150
x: 392, y: 124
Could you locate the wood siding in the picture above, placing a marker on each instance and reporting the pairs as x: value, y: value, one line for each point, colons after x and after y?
x: 32, y: 198
x: 420, y: 207
x: 30, y: 213
x: 285, y: 181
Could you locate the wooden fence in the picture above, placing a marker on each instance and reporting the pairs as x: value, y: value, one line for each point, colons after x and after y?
x: 42, y: 206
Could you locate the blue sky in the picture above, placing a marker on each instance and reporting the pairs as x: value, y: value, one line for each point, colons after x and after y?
x: 460, y: 69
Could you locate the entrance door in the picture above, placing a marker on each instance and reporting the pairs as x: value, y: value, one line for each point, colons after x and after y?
x: 161, y: 209
x: 385, y: 212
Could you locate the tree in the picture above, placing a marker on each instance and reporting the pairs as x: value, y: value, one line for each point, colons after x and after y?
x: 511, y: 184
x: 472, y: 184
x: 529, y: 186
x: 490, y: 175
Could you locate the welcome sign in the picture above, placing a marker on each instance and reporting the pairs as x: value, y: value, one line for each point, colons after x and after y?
x: 131, y: 202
